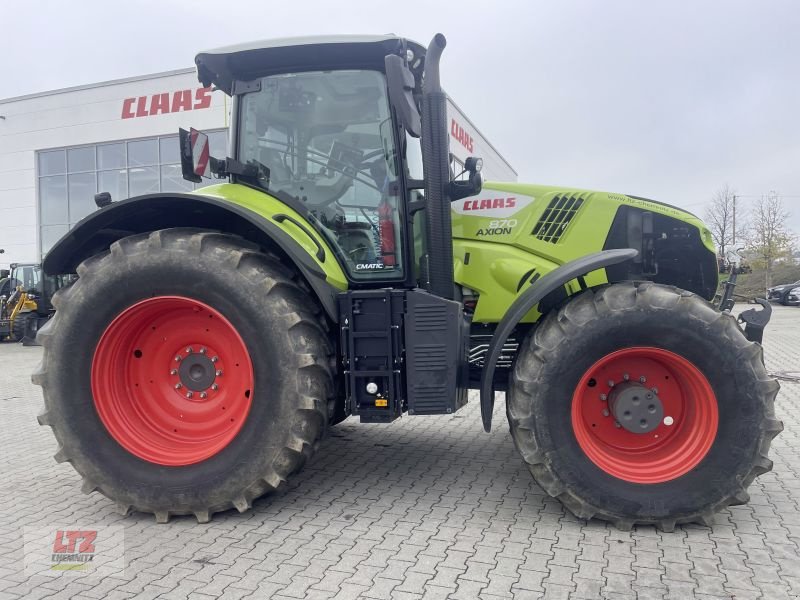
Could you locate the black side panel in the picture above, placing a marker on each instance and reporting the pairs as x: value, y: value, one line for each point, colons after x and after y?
x: 437, y: 348
x: 370, y: 323
x: 402, y: 350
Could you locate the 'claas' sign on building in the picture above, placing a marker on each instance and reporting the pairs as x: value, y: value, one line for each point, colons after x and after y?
x: 159, y: 104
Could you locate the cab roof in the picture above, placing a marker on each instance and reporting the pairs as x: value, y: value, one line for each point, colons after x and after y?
x: 248, y: 61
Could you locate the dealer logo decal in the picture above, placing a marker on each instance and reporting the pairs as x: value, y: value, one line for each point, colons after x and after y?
x: 72, y: 549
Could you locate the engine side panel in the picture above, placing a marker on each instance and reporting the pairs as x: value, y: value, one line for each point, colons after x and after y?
x: 509, y: 235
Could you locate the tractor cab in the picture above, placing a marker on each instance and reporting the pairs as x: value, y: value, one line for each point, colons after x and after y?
x: 26, y: 275
x: 330, y: 125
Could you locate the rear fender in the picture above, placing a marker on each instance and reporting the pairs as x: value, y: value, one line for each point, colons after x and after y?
x: 317, y: 264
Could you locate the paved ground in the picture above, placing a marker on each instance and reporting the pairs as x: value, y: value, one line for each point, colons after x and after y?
x: 428, y: 507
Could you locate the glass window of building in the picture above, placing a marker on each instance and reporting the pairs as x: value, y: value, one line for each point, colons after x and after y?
x: 70, y: 177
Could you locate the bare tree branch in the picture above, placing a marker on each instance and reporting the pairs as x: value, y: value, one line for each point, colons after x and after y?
x: 719, y: 217
x: 769, y: 238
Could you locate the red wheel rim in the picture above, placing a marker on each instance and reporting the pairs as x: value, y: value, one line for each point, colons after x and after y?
x: 172, y: 380
x: 668, y: 451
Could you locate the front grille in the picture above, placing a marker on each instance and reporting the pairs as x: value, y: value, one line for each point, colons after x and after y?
x: 556, y: 217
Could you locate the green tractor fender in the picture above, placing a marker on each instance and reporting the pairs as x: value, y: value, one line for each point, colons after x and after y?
x: 528, y: 300
x: 276, y: 231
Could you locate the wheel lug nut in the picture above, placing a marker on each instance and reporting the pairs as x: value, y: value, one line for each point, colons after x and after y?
x: 203, y: 395
x: 626, y: 377
x: 178, y: 386
x: 173, y: 372
x: 178, y: 358
x: 219, y: 373
x: 214, y: 359
x: 188, y: 350
x: 603, y: 397
x: 189, y: 394
x: 617, y: 425
x: 605, y: 413
x: 214, y: 387
x: 642, y: 379
x: 203, y: 350
x: 654, y: 390
x: 610, y: 383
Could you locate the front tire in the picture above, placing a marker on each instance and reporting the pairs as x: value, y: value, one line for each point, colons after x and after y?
x: 694, y: 447
x: 18, y: 330
x: 185, y: 372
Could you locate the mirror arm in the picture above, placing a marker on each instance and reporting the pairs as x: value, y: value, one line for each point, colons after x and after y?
x: 222, y: 167
x: 461, y: 189
x: 416, y: 205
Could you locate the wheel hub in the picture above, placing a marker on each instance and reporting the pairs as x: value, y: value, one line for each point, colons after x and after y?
x: 635, y: 407
x: 197, y: 372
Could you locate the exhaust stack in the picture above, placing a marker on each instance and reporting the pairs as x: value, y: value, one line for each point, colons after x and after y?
x: 436, y: 165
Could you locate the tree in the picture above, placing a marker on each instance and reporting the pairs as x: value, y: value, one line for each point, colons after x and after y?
x: 721, y: 218
x: 769, y: 237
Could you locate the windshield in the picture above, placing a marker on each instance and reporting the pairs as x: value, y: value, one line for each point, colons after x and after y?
x: 327, y: 139
x: 27, y: 276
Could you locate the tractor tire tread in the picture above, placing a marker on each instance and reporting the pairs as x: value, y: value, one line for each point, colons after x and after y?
x: 625, y: 297
x: 306, y: 329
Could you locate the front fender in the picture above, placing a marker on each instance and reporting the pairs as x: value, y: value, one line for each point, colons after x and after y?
x: 529, y: 299
x: 313, y: 258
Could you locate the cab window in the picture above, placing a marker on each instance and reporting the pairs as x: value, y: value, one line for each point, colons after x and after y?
x: 327, y: 139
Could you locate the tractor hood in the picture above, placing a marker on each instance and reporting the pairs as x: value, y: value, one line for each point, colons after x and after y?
x: 516, y: 232
x: 244, y: 62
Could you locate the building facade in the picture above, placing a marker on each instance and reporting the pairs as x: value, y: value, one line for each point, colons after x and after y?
x: 59, y: 148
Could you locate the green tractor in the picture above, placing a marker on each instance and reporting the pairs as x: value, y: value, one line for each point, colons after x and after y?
x: 341, y: 269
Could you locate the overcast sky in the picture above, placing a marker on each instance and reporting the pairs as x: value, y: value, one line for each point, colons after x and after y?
x: 664, y: 99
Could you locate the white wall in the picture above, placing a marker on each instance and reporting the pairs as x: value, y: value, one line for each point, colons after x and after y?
x: 466, y: 141
x: 84, y: 115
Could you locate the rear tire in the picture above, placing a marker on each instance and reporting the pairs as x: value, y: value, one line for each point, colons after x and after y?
x: 279, y: 376
x: 680, y: 472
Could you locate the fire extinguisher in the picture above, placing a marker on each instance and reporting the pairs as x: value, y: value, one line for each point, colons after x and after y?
x: 386, y: 232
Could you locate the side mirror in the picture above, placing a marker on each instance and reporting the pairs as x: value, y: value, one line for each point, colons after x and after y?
x: 400, y: 81
x: 470, y: 187
x: 195, y: 155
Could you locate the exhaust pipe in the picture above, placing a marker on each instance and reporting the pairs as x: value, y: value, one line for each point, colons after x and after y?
x: 436, y: 166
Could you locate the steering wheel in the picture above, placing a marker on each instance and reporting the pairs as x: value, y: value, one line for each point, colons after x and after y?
x: 372, y: 154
